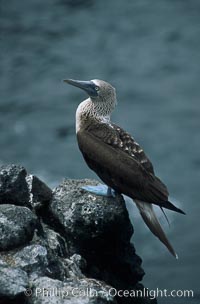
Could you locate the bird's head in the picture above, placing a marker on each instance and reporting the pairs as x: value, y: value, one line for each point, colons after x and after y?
x: 100, y: 92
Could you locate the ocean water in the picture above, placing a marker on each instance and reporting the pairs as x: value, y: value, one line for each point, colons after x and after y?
x: 148, y: 50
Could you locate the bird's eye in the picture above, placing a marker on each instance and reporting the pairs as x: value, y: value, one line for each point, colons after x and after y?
x: 97, y: 88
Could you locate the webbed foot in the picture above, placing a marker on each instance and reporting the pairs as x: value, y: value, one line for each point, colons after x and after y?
x: 101, y: 190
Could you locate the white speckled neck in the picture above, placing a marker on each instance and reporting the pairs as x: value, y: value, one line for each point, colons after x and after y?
x: 98, y: 110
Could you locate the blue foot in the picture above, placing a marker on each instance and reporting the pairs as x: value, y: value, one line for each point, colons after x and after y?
x: 101, y: 190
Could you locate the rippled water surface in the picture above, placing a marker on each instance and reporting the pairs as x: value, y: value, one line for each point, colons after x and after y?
x: 150, y: 51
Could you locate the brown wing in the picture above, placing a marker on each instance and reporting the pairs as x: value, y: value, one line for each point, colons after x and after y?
x: 131, y: 147
x: 114, y: 135
x: 106, y: 154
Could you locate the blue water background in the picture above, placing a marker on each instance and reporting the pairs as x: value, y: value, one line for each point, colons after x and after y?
x: 150, y: 51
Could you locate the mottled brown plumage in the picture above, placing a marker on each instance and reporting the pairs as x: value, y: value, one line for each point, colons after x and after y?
x: 121, y: 163
x: 116, y: 157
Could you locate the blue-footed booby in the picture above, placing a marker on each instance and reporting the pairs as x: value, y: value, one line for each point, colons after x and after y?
x: 116, y: 157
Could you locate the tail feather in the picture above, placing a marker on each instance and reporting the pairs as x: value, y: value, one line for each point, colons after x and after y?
x: 170, y: 206
x: 165, y: 215
x: 149, y: 217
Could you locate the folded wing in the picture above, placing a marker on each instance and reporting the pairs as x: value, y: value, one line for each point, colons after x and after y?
x: 122, y: 164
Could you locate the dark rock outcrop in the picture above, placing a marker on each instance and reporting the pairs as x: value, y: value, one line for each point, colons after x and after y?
x: 13, y: 283
x: 99, y: 229
x: 66, y: 246
x: 77, y: 291
x: 13, y: 186
x: 39, y: 193
x: 89, y: 220
x: 17, y: 226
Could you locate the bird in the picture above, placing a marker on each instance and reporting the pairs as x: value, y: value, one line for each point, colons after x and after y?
x: 115, y: 156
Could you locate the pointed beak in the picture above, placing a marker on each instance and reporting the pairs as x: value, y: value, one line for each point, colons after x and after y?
x: 87, y: 86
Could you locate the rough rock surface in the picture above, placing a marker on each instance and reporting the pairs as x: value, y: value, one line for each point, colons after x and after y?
x: 99, y: 229
x: 76, y: 291
x: 40, y: 193
x: 13, y: 283
x: 87, y: 219
x: 55, y: 244
x: 17, y: 226
x: 19, y: 188
x: 32, y: 259
x: 13, y: 186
